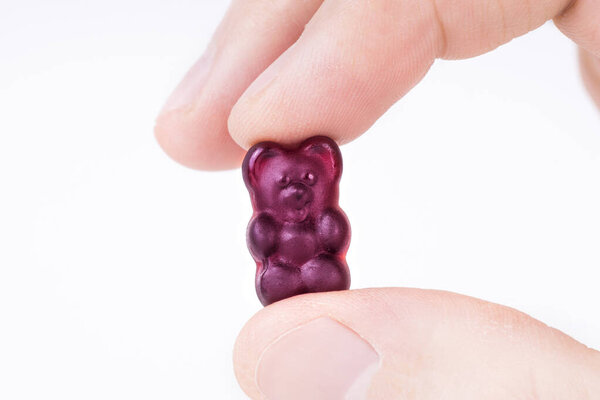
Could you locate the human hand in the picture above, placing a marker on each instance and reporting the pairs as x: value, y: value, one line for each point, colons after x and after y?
x: 352, y: 62
x: 347, y: 66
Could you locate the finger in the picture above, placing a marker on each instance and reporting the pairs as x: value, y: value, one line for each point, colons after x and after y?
x: 192, y: 127
x: 581, y: 22
x: 407, y: 344
x: 355, y: 59
x: 590, y: 70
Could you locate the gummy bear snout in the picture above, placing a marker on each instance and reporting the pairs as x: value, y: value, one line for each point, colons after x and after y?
x: 297, y: 195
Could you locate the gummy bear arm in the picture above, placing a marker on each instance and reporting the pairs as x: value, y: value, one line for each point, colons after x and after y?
x: 333, y: 230
x: 262, y: 236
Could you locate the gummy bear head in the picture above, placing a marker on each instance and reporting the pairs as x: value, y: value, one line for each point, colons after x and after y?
x: 293, y: 183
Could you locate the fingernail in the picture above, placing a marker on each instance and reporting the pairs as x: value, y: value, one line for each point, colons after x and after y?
x: 189, y: 89
x: 322, y: 359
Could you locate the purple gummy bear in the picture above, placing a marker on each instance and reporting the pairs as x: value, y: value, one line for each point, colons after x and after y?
x: 298, y: 234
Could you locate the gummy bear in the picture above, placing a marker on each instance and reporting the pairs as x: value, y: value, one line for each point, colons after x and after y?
x: 298, y: 234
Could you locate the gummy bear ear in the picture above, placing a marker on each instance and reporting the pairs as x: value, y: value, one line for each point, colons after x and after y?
x: 251, y: 166
x: 326, y: 149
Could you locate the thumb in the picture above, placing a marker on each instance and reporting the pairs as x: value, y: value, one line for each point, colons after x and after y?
x: 397, y: 343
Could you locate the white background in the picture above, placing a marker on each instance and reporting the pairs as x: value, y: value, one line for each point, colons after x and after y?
x: 126, y: 276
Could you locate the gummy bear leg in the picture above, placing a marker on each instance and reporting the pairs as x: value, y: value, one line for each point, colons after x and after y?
x: 278, y: 281
x: 325, y: 273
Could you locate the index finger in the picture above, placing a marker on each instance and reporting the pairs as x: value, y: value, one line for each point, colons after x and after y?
x: 192, y: 126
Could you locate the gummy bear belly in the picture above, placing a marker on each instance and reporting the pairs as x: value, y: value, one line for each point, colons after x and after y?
x: 295, y: 248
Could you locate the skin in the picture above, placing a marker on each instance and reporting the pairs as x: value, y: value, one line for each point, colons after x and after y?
x: 327, y: 58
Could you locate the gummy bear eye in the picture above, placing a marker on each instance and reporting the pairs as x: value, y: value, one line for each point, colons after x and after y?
x: 309, y: 178
x: 284, y: 181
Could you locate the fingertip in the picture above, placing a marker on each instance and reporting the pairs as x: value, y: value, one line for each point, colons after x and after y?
x: 192, y: 128
x: 292, y: 347
x: 289, y: 105
x: 197, y: 140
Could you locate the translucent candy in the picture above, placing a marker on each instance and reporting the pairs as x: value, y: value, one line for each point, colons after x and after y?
x: 298, y: 234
